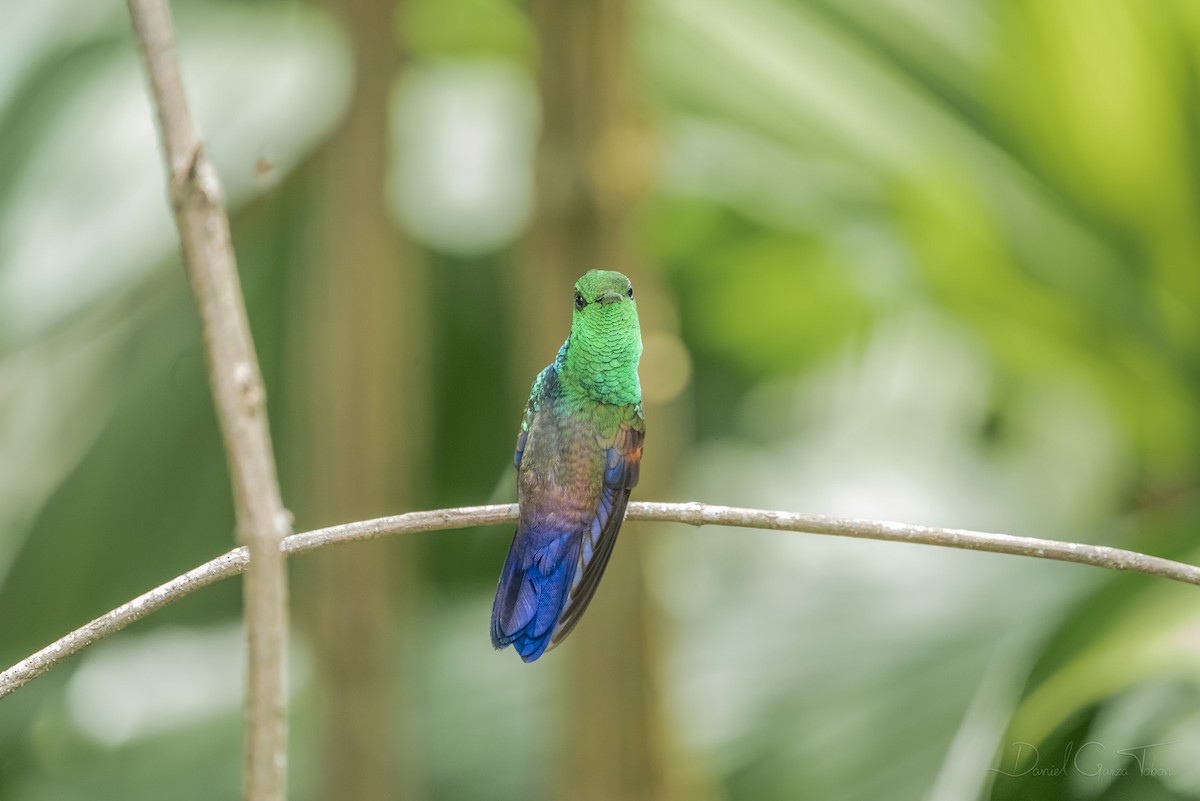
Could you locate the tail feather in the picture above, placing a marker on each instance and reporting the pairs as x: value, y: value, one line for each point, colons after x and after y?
x: 534, y: 588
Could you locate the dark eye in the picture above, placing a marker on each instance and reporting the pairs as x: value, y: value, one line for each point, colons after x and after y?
x: 629, y: 291
x: 580, y: 301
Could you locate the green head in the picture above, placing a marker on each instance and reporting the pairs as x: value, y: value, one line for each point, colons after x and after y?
x: 601, y: 355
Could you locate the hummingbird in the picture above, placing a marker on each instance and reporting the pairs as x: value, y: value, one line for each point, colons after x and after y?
x: 577, y: 458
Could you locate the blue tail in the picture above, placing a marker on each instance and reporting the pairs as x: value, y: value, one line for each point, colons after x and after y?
x: 533, y: 590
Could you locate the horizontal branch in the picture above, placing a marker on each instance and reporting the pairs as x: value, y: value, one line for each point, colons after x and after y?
x: 694, y: 514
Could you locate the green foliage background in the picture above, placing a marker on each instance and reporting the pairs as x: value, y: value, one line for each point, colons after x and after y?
x: 934, y: 261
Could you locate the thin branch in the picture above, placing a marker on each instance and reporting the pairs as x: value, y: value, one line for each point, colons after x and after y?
x: 196, y: 199
x: 695, y: 514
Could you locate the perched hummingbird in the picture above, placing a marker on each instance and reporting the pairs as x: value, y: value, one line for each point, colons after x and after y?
x: 577, y: 458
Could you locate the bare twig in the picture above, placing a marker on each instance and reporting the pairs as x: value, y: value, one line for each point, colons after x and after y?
x: 240, y: 397
x: 695, y: 514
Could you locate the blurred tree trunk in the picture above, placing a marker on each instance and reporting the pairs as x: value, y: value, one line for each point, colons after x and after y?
x: 362, y: 338
x: 594, y: 159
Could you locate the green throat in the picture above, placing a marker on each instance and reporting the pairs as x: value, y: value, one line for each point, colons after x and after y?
x: 600, y: 357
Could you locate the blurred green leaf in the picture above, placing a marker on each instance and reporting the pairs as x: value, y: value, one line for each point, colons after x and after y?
x: 92, y: 167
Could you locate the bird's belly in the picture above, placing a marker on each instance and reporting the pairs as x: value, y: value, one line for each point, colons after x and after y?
x: 559, y: 488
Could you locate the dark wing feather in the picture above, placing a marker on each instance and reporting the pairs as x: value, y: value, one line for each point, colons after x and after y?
x: 621, y: 470
x: 540, y: 385
x: 522, y: 438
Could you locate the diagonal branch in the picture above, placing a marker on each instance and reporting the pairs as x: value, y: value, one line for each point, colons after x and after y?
x: 694, y: 514
x: 240, y: 397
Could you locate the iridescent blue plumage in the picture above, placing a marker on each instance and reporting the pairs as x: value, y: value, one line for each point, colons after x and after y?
x: 577, y: 459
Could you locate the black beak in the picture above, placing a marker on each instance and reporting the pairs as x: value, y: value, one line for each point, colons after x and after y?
x: 609, y: 297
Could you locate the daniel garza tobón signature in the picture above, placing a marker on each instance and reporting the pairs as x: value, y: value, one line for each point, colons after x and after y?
x: 1086, y: 760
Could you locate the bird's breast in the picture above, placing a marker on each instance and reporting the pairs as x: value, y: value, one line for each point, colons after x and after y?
x: 562, y: 470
